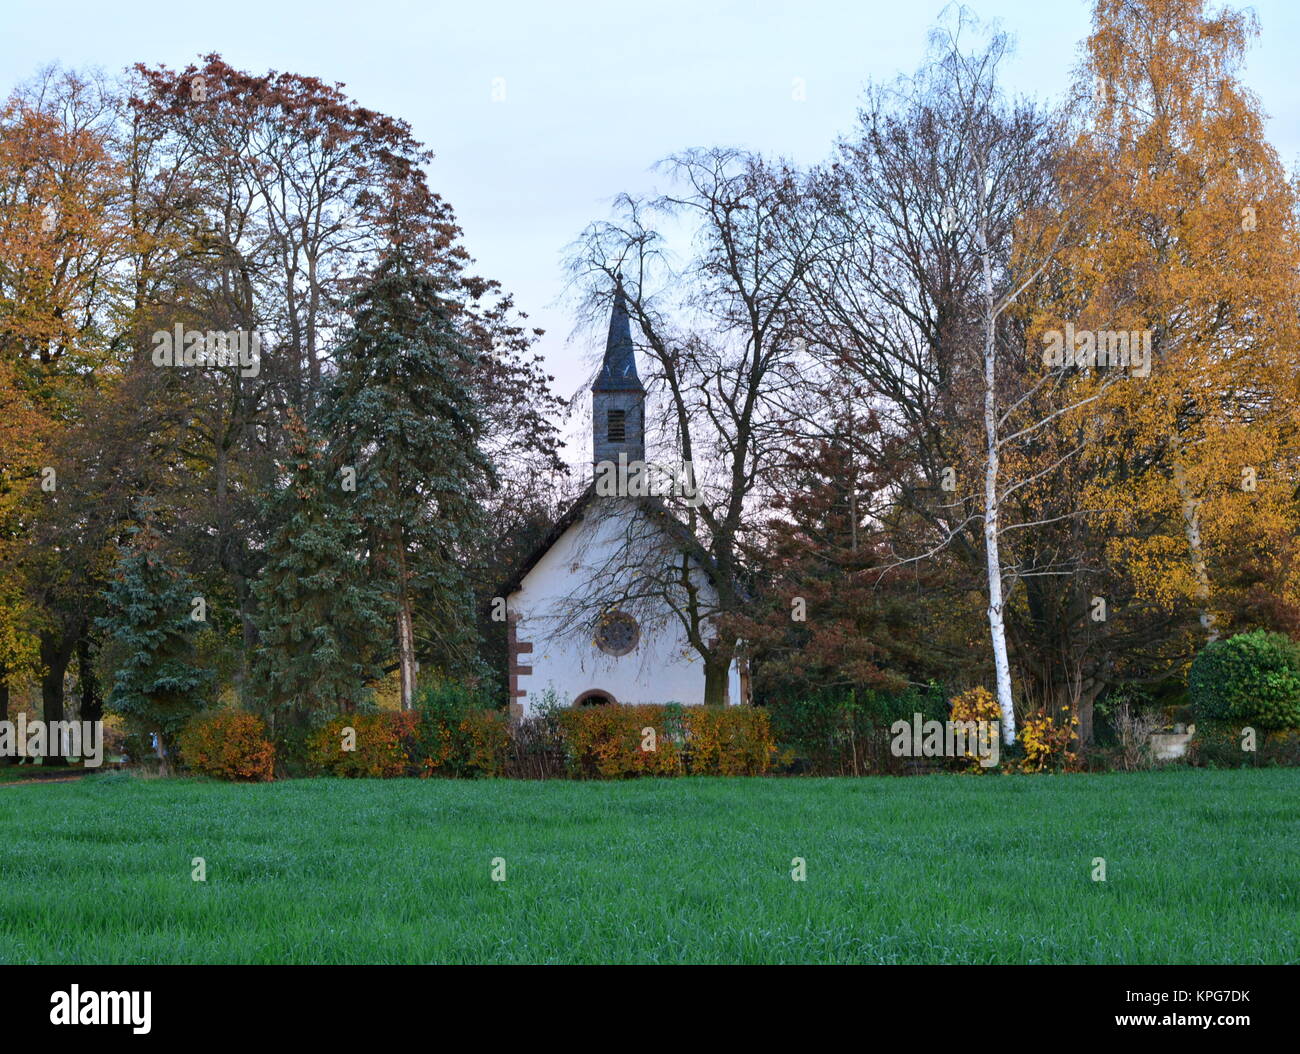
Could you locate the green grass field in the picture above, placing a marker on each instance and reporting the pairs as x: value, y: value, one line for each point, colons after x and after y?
x: 1202, y: 866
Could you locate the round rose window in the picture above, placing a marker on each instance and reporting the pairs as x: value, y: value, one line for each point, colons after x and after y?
x: 617, y: 633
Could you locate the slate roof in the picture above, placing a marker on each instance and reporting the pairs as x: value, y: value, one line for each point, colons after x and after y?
x: 618, y: 371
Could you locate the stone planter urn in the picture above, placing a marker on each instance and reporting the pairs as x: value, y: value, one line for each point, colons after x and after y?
x: 1169, y: 746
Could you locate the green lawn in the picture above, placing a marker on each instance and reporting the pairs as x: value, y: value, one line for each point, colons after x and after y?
x: 1202, y: 866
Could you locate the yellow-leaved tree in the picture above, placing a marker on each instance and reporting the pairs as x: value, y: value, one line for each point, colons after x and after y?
x: 1191, y: 243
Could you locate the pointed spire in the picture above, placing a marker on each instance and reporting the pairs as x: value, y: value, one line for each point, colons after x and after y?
x: 618, y: 371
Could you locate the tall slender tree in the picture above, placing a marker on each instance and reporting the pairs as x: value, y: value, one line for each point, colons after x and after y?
x: 1192, y: 238
x: 321, y: 619
x: 404, y: 421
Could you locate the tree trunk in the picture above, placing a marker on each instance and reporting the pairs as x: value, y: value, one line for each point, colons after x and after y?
x: 56, y: 653
x: 248, y: 625
x: 992, y: 508
x: 997, y: 623
x: 1087, y: 709
x: 165, y: 765
x: 4, y: 709
x: 716, y: 668
x: 405, y: 633
x: 92, y: 702
x: 1192, y: 526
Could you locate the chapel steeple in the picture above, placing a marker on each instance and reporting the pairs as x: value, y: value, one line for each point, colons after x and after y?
x: 618, y: 397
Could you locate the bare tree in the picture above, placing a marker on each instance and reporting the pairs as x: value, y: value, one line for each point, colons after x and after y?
x: 939, y: 220
x: 720, y: 338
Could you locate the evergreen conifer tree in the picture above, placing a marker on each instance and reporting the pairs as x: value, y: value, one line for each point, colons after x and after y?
x: 159, y: 684
x: 402, y: 413
x: 321, y: 621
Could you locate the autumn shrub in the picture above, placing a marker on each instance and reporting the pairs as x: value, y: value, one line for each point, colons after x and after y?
x: 1046, y: 742
x: 612, y: 742
x: 458, y: 733
x: 975, y: 704
x: 375, y: 745
x: 616, y: 742
x: 728, y: 741
x: 1252, y: 678
x: 227, y: 745
x: 476, y: 743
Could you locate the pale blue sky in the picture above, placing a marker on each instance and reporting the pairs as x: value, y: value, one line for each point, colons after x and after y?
x: 596, y: 92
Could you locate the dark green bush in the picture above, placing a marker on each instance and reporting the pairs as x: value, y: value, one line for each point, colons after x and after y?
x: 1252, y: 678
x: 458, y: 732
x: 450, y: 700
x: 847, y: 732
x: 1217, y: 745
x: 1281, y: 748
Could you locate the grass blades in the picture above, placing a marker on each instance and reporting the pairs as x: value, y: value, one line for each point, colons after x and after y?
x: 1201, y: 867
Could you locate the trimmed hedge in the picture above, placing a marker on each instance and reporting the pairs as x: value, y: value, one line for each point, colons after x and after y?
x: 457, y: 735
x: 389, y: 744
x: 449, y: 736
x: 598, y: 742
x: 616, y: 742
x: 378, y: 746
x: 476, y: 743
x: 606, y: 741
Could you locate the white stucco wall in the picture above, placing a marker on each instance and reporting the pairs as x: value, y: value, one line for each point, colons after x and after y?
x: 663, y: 668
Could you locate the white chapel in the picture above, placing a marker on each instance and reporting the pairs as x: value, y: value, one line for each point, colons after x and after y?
x: 604, y: 610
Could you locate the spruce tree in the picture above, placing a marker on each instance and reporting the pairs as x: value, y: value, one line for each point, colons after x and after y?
x: 402, y: 413
x: 321, y: 620
x: 158, y: 683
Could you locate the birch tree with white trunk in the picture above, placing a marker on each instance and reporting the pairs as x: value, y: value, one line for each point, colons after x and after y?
x: 943, y: 217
